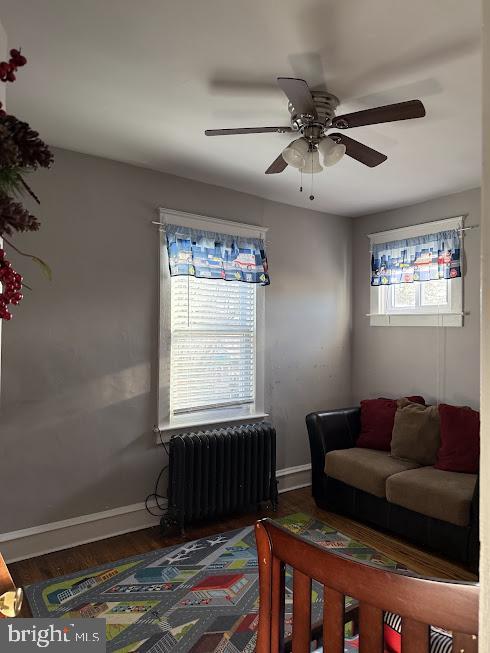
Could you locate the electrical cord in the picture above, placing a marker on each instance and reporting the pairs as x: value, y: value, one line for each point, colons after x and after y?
x: 155, y: 495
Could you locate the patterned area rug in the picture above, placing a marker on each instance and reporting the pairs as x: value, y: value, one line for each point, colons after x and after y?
x: 200, y: 596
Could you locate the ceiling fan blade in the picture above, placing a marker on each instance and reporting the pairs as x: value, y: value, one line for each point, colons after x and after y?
x: 388, y: 113
x: 299, y: 94
x: 359, y: 151
x: 247, y: 130
x: 276, y: 166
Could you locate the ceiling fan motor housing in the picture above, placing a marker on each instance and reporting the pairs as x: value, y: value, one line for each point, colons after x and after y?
x: 325, y: 105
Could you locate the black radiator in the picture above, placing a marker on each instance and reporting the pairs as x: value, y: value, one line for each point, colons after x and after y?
x: 220, y: 472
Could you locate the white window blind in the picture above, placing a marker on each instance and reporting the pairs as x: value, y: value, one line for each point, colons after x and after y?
x: 213, y: 329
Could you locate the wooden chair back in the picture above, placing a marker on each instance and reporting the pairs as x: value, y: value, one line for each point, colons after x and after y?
x: 419, y: 601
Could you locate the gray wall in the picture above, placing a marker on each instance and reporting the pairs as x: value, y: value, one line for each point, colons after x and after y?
x: 80, y: 355
x: 392, y: 361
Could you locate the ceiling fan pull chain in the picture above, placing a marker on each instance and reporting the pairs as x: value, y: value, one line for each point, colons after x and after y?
x: 312, y: 197
x: 301, y: 181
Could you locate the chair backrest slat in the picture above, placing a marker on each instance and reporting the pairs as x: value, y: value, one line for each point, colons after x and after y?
x: 370, y: 628
x: 301, y: 612
x: 419, y: 601
x: 333, y: 620
x: 278, y: 605
x: 415, y: 636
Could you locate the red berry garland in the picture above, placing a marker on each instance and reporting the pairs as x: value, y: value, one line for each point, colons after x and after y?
x: 9, y: 68
x: 11, y: 286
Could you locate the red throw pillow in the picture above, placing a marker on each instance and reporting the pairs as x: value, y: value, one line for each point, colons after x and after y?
x: 460, y: 439
x: 377, y: 418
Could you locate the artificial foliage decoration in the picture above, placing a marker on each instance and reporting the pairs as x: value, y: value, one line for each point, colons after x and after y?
x: 9, y: 152
x: 14, y: 217
x: 21, y: 151
x: 32, y: 152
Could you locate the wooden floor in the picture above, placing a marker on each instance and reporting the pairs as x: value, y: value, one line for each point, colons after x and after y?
x: 98, y: 553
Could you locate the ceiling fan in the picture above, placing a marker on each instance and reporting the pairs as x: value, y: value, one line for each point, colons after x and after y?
x: 312, y: 114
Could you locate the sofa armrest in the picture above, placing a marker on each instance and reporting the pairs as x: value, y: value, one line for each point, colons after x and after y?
x: 327, y: 431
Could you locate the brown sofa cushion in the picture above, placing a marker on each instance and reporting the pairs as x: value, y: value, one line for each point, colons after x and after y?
x: 433, y: 492
x: 416, y: 433
x: 365, y: 469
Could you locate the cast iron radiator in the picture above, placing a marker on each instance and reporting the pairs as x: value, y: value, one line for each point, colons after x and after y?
x: 220, y: 472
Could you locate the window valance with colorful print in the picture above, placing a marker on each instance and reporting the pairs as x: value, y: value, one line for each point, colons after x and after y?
x: 423, y: 258
x: 210, y: 255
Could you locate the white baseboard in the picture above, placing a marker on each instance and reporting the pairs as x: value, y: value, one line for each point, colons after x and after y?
x: 292, y: 478
x: 55, y: 536
x: 46, y: 538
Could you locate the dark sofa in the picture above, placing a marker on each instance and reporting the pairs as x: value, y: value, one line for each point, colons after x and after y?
x: 369, y: 476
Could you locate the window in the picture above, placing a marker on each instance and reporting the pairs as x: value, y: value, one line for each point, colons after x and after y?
x: 413, y: 298
x: 213, y: 324
x: 406, y: 264
x: 211, y: 367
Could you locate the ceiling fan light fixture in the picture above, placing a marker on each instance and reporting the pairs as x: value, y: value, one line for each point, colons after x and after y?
x: 294, y: 154
x: 331, y: 151
x: 312, y: 163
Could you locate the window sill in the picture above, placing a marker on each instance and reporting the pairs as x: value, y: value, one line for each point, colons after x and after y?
x: 421, y: 319
x: 173, y: 429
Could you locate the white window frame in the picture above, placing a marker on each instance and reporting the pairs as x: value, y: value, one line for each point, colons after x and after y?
x: 170, y: 424
x: 450, y: 315
x: 419, y: 308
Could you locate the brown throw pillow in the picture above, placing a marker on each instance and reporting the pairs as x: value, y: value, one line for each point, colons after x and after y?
x: 416, y: 433
x: 377, y: 416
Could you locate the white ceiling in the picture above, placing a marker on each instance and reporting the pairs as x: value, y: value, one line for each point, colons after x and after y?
x: 140, y: 81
